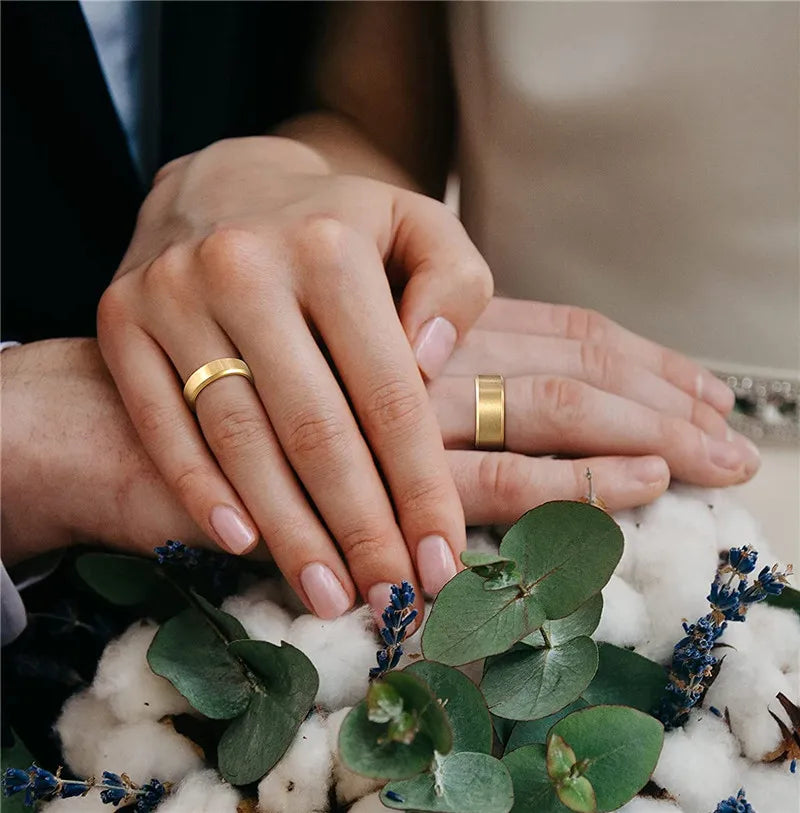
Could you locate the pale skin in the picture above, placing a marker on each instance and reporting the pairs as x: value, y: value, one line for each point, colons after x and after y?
x: 268, y: 248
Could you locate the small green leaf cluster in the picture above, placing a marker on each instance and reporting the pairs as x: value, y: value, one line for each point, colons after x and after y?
x: 567, y: 717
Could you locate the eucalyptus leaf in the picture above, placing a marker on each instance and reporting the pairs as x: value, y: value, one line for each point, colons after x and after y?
x: 621, y: 746
x: 577, y: 794
x: 560, y: 758
x: 122, y: 580
x: 789, y: 599
x: 467, y: 622
x: 191, y: 652
x: 530, y: 732
x: 367, y: 748
x: 503, y: 728
x: 583, y: 621
x: 533, y: 790
x: 463, y: 703
x: 475, y: 558
x: 287, y: 684
x: 626, y: 679
x: 529, y: 683
x: 566, y: 552
x: 467, y: 783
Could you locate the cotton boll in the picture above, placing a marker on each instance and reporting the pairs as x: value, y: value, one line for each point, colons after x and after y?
x: 201, y: 792
x: 628, y: 522
x: 343, y: 652
x: 369, y: 804
x: 770, y: 788
x: 778, y: 631
x: 640, y: 804
x: 144, y: 750
x: 262, y: 620
x: 349, y: 785
x: 264, y: 590
x: 625, y: 620
x: 125, y: 680
x: 699, y: 763
x: 83, y: 716
x: 483, y: 540
x: 299, y: 782
x: 747, y: 685
x: 77, y: 804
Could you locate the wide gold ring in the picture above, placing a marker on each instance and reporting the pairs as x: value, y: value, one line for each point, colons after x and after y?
x: 211, y: 372
x: 490, y: 412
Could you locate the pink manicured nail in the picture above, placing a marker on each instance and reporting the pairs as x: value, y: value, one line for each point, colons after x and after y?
x: 649, y: 471
x: 435, y: 564
x: 324, y: 591
x: 715, y: 392
x: 235, y: 533
x: 378, y: 598
x: 724, y: 454
x: 434, y: 345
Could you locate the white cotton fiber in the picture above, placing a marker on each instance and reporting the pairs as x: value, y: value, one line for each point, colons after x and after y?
x: 125, y: 680
x: 299, y: 782
x: 770, y: 788
x: 83, y: 719
x: 343, y: 652
x: 77, y: 804
x: 778, y: 632
x: 145, y: 750
x: 628, y: 522
x: 700, y: 763
x: 641, y: 804
x: 369, y: 804
x: 201, y: 792
x: 262, y: 620
x: 483, y: 539
x: 349, y: 785
x: 625, y: 620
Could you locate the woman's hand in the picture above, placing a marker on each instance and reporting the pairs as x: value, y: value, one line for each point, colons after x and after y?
x: 251, y: 249
x: 579, y: 385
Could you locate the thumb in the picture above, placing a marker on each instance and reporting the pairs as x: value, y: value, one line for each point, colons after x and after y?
x: 448, y: 283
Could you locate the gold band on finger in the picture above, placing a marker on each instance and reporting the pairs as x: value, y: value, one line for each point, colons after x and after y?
x: 209, y: 373
x: 490, y: 412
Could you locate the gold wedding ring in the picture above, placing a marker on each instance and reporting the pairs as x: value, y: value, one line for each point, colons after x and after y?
x: 209, y: 373
x: 490, y: 412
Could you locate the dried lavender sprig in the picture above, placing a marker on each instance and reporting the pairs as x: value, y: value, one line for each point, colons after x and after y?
x: 397, y: 617
x: 693, y: 664
x: 40, y: 784
x: 735, y: 804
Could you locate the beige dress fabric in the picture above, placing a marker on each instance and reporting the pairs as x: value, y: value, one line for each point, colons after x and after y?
x: 642, y: 159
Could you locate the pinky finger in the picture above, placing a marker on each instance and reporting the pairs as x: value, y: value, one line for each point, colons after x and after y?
x: 499, y: 487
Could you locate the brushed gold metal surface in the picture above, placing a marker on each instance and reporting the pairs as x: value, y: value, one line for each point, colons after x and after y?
x: 211, y: 372
x: 490, y: 412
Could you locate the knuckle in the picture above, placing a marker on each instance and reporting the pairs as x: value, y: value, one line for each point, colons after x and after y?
x: 424, y: 497
x: 155, y: 420
x: 112, y: 311
x: 585, y: 324
x: 191, y: 482
x: 235, y: 429
x: 315, y: 434
x: 167, y: 272
x: 324, y: 241
x: 395, y: 406
x: 228, y: 254
x: 598, y: 363
x: 563, y: 400
x: 501, y: 475
x: 365, y: 542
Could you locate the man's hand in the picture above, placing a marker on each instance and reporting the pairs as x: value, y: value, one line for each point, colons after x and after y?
x: 74, y: 469
x: 252, y: 249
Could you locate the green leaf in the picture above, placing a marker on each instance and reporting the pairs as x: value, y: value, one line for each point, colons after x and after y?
x: 367, y: 748
x: 566, y: 552
x: 789, y: 599
x: 577, y: 794
x: 287, y: 684
x: 621, y: 746
x: 475, y: 559
x: 467, y: 622
x: 463, y: 703
x: 528, y: 683
x: 467, y: 783
x: 496, y: 571
x: 191, y: 652
x: 383, y: 702
x: 583, y: 621
x: 502, y: 728
x: 626, y: 679
x: 122, y: 580
x: 530, y: 732
x: 560, y: 758
x: 15, y: 756
x: 533, y: 790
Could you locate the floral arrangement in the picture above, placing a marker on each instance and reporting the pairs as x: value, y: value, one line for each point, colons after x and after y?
x: 502, y: 701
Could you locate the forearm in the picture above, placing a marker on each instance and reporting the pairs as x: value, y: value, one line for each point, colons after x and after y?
x: 382, y: 81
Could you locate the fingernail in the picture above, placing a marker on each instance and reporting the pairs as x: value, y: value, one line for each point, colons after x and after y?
x: 724, y: 454
x: 648, y: 470
x: 235, y: 533
x: 715, y: 392
x: 435, y: 564
x: 434, y: 345
x: 378, y: 598
x: 752, y: 456
x: 324, y: 591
